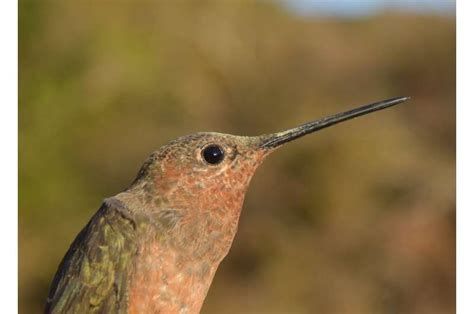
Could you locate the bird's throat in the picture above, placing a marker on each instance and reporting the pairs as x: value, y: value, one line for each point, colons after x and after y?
x: 166, y: 281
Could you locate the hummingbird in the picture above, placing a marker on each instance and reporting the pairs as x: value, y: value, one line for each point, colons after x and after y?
x: 155, y: 247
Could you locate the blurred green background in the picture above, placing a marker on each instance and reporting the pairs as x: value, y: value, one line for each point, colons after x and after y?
x: 359, y: 218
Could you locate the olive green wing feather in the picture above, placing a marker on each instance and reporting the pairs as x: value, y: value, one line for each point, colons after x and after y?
x: 93, y: 274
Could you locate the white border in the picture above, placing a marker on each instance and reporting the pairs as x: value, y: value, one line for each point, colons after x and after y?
x: 9, y: 155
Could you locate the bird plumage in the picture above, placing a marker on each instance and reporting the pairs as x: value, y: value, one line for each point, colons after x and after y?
x: 93, y: 275
x: 156, y: 246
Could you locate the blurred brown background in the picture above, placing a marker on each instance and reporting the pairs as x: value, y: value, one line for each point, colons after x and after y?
x: 359, y: 218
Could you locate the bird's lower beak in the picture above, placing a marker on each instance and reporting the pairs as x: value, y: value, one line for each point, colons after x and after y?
x: 274, y: 140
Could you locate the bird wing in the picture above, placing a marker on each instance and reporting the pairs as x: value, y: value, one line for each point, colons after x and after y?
x: 93, y: 274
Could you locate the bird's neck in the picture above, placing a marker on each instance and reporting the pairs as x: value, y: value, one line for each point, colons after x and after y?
x: 180, y: 246
x: 174, y: 268
x: 165, y: 280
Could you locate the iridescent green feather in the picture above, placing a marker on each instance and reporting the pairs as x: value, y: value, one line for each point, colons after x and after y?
x: 93, y: 275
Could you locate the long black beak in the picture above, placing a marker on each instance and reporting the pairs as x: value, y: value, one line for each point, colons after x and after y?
x: 277, y: 139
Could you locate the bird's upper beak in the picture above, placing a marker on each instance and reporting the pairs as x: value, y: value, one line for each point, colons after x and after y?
x: 272, y: 141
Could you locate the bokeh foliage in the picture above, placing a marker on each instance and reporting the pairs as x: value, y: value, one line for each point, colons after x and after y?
x: 359, y: 218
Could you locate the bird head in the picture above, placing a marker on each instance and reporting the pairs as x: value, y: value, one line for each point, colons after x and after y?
x: 196, y: 184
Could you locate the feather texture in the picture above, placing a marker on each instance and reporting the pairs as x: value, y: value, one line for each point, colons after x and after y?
x: 93, y: 275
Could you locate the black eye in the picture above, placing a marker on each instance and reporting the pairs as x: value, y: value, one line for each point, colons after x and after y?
x: 213, y: 154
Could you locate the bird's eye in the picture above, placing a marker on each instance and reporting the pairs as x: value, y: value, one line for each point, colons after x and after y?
x: 213, y: 154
